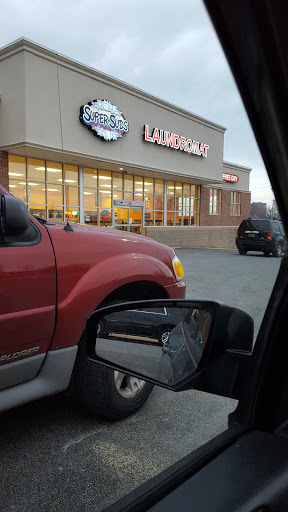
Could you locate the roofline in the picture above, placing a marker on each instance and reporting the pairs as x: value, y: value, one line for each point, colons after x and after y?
x: 23, y: 43
x: 237, y: 166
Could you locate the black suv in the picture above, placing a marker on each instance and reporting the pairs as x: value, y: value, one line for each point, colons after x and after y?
x: 261, y: 235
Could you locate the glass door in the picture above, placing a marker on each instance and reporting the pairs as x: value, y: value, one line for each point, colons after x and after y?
x: 128, y: 219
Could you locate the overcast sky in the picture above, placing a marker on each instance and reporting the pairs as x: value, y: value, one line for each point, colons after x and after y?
x: 167, y: 48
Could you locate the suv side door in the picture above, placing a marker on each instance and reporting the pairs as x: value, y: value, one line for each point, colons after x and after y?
x: 27, y: 303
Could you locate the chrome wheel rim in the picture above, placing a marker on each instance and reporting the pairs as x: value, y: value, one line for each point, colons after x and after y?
x: 279, y: 250
x: 165, y: 337
x: 128, y: 386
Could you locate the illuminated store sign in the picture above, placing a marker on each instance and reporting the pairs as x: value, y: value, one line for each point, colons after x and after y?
x: 233, y: 178
x: 104, y: 119
x: 175, y: 141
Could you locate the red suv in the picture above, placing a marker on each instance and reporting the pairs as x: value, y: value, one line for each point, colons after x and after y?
x: 53, y: 276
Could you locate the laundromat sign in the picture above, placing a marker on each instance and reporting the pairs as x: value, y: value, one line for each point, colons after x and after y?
x: 172, y: 140
x: 104, y: 119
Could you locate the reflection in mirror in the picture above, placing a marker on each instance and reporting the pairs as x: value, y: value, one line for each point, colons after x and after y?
x: 162, y: 343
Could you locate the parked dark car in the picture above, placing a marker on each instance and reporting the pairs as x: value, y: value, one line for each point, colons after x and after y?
x: 263, y: 235
x: 139, y: 323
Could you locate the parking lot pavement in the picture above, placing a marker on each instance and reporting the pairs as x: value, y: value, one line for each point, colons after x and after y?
x: 58, y: 458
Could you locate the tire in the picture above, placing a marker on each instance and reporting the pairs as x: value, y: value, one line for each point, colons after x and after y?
x: 277, y: 253
x: 242, y: 251
x: 103, y: 392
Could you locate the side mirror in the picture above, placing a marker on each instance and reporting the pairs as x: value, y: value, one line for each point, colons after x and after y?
x: 14, y: 217
x: 177, y: 344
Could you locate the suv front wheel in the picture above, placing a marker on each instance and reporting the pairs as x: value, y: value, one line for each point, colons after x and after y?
x: 105, y: 392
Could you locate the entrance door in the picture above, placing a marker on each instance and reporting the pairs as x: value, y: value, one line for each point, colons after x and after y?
x: 128, y: 218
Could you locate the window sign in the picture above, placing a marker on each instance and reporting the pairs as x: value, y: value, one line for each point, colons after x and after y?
x: 104, y: 119
x: 174, y: 141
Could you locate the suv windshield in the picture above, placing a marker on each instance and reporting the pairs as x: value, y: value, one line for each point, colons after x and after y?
x: 255, y: 225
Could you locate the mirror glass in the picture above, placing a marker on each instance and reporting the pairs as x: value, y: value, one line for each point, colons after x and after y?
x: 163, y: 343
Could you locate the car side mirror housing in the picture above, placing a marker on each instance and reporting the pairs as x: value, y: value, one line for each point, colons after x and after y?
x: 14, y: 217
x: 177, y: 344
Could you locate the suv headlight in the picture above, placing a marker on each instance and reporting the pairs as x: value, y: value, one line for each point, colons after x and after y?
x: 178, y: 269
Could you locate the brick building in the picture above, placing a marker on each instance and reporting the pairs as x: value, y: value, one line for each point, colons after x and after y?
x: 151, y: 168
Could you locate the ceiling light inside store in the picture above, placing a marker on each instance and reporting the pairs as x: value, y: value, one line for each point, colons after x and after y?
x: 12, y: 186
x: 68, y: 181
x: 33, y: 184
x: 39, y: 168
x: 138, y: 194
x: 105, y: 192
x: 53, y: 170
x: 138, y: 182
x: 139, y: 190
x: 52, y: 189
x: 88, y: 193
x: 121, y: 168
x: 15, y: 174
x: 104, y: 177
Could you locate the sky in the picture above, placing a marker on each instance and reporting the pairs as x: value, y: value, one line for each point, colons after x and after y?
x: 166, y: 48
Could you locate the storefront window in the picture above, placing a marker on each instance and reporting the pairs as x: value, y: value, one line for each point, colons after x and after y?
x: 72, y: 214
x: 235, y: 203
x: 90, y: 177
x: 105, y: 199
x: 139, y: 197
x: 128, y: 196
x: 105, y: 217
x: 117, y: 181
x: 178, y: 219
x: 36, y: 170
x: 138, y: 184
x: 72, y: 196
x: 91, y: 216
x: 90, y: 198
x: 18, y: 189
x: 149, y: 218
x: 71, y: 174
x: 118, y: 195
x: 159, y: 202
x: 215, y: 202
x: 170, y: 203
x: 39, y: 210
x: 54, y: 172
x: 159, y: 218
x: 128, y: 183
x: 170, y: 188
x: 149, y: 186
x: 36, y: 192
x: 159, y: 187
x: 186, y: 190
x: 170, y: 218
x: 178, y: 190
x: 17, y: 167
x: 55, y: 213
x: 55, y: 194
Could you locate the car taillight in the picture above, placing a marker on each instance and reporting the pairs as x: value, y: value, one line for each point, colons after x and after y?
x: 269, y: 235
x: 237, y: 233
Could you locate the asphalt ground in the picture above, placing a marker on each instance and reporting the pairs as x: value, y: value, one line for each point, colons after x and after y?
x: 55, y: 457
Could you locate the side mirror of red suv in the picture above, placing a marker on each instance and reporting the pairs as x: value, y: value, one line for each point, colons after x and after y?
x: 13, y: 216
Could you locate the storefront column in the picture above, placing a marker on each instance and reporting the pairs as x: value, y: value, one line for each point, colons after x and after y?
x: 4, y: 177
x: 81, y: 192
